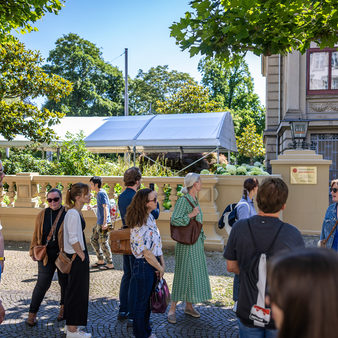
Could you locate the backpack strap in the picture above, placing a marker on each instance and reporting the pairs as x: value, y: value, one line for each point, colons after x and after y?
x: 273, y: 241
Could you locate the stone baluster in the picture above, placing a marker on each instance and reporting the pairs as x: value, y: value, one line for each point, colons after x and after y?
x: 2, y: 194
x: 173, y: 197
x: 11, y: 193
x: 161, y: 195
x: 64, y: 187
x: 111, y: 192
x: 42, y: 194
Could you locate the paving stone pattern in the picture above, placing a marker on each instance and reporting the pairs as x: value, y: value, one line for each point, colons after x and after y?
x: 19, y: 280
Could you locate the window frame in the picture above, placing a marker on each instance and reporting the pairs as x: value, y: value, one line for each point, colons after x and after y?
x: 320, y: 91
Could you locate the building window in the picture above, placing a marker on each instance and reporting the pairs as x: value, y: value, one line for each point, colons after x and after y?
x: 322, y: 71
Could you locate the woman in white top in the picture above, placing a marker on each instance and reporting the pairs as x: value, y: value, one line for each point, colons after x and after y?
x: 77, y: 292
x: 146, y: 246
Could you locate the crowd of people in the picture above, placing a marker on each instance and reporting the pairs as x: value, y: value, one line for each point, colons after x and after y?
x: 291, y: 291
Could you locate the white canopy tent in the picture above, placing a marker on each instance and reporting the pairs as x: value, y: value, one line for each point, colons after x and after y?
x: 71, y: 124
x: 165, y: 133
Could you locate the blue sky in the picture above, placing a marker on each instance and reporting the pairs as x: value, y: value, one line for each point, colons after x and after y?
x: 140, y: 26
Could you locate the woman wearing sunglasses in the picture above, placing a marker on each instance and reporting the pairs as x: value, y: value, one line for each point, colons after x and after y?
x: 46, y: 233
x: 329, y: 232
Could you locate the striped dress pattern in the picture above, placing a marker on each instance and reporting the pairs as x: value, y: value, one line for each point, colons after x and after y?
x: 191, y: 279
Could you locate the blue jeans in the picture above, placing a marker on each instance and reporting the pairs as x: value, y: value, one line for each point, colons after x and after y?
x: 142, y: 283
x: 255, y: 332
x: 126, y: 293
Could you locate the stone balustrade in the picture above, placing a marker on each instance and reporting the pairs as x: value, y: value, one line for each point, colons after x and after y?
x: 26, y: 196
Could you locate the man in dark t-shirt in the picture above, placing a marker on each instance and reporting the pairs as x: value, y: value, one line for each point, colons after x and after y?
x: 268, y: 234
x: 132, y: 180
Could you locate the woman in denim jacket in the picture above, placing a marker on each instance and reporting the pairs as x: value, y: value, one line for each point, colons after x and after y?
x: 331, y: 219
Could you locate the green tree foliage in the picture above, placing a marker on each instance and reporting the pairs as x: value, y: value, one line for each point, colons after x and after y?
x: 230, y: 83
x: 155, y: 85
x: 227, y: 27
x: 21, y: 78
x: 75, y: 159
x: 250, y: 144
x: 16, y: 14
x: 97, y: 85
x: 243, y: 117
x: 190, y: 99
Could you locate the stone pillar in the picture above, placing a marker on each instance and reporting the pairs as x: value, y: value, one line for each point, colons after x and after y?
x: 207, y: 199
x: 307, y: 176
x: 25, y: 190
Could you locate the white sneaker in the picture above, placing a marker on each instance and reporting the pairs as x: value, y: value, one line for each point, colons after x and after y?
x: 78, y: 333
x: 79, y: 328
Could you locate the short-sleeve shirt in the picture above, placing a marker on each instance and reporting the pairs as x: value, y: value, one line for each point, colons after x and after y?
x: 146, y: 237
x: 240, y: 246
x: 102, y: 198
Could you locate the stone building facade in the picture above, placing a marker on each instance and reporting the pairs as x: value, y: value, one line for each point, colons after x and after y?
x: 302, y: 87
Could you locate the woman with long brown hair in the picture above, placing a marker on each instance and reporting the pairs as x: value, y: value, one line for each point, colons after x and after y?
x: 303, y: 293
x: 146, y: 246
x: 77, y: 292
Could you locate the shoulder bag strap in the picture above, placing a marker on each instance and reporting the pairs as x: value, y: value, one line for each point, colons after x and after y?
x: 193, y: 206
x: 273, y: 241
x: 333, y: 229
x: 54, y: 224
x: 252, y: 236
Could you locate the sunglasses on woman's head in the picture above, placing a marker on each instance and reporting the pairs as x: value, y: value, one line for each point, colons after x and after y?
x: 56, y: 199
x: 334, y: 190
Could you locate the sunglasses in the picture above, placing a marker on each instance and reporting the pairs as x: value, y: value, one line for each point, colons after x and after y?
x: 334, y: 190
x: 56, y: 199
x: 154, y: 200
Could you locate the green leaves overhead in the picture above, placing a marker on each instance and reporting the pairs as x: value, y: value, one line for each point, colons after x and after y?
x: 224, y: 28
x: 97, y: 85
x: 19, y: 15
x: 22, y: 78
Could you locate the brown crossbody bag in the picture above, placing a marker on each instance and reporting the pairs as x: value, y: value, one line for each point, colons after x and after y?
x: 322, y: 243
x: 186, y: 234
x: 40, y: 251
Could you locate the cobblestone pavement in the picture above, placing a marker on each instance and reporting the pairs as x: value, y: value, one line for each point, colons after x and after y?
x: 217, y: 318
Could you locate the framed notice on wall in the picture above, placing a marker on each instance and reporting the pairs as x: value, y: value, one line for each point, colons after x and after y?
x: 303, y: 175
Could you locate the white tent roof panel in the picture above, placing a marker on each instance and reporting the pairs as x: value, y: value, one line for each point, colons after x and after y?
x: 160, y: 133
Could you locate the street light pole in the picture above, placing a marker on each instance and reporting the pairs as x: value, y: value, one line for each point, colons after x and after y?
x: 126, y: 98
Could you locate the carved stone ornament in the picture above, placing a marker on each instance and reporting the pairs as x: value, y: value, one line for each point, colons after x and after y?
x: 324, y: 106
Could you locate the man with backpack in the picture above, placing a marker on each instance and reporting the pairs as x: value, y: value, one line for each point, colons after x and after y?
x: 251, y: 242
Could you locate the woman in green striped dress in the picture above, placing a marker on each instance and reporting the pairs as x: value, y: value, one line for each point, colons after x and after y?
x: 191, y: 280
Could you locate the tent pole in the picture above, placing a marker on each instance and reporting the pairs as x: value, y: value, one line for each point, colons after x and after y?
x: 197, y: 160
x: 217, y: 155
x: 229, y: 156
x: 134, y: 151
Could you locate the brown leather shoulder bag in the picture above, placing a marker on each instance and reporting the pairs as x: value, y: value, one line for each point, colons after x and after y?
x: 40, y: 251
x: 186, y: 234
